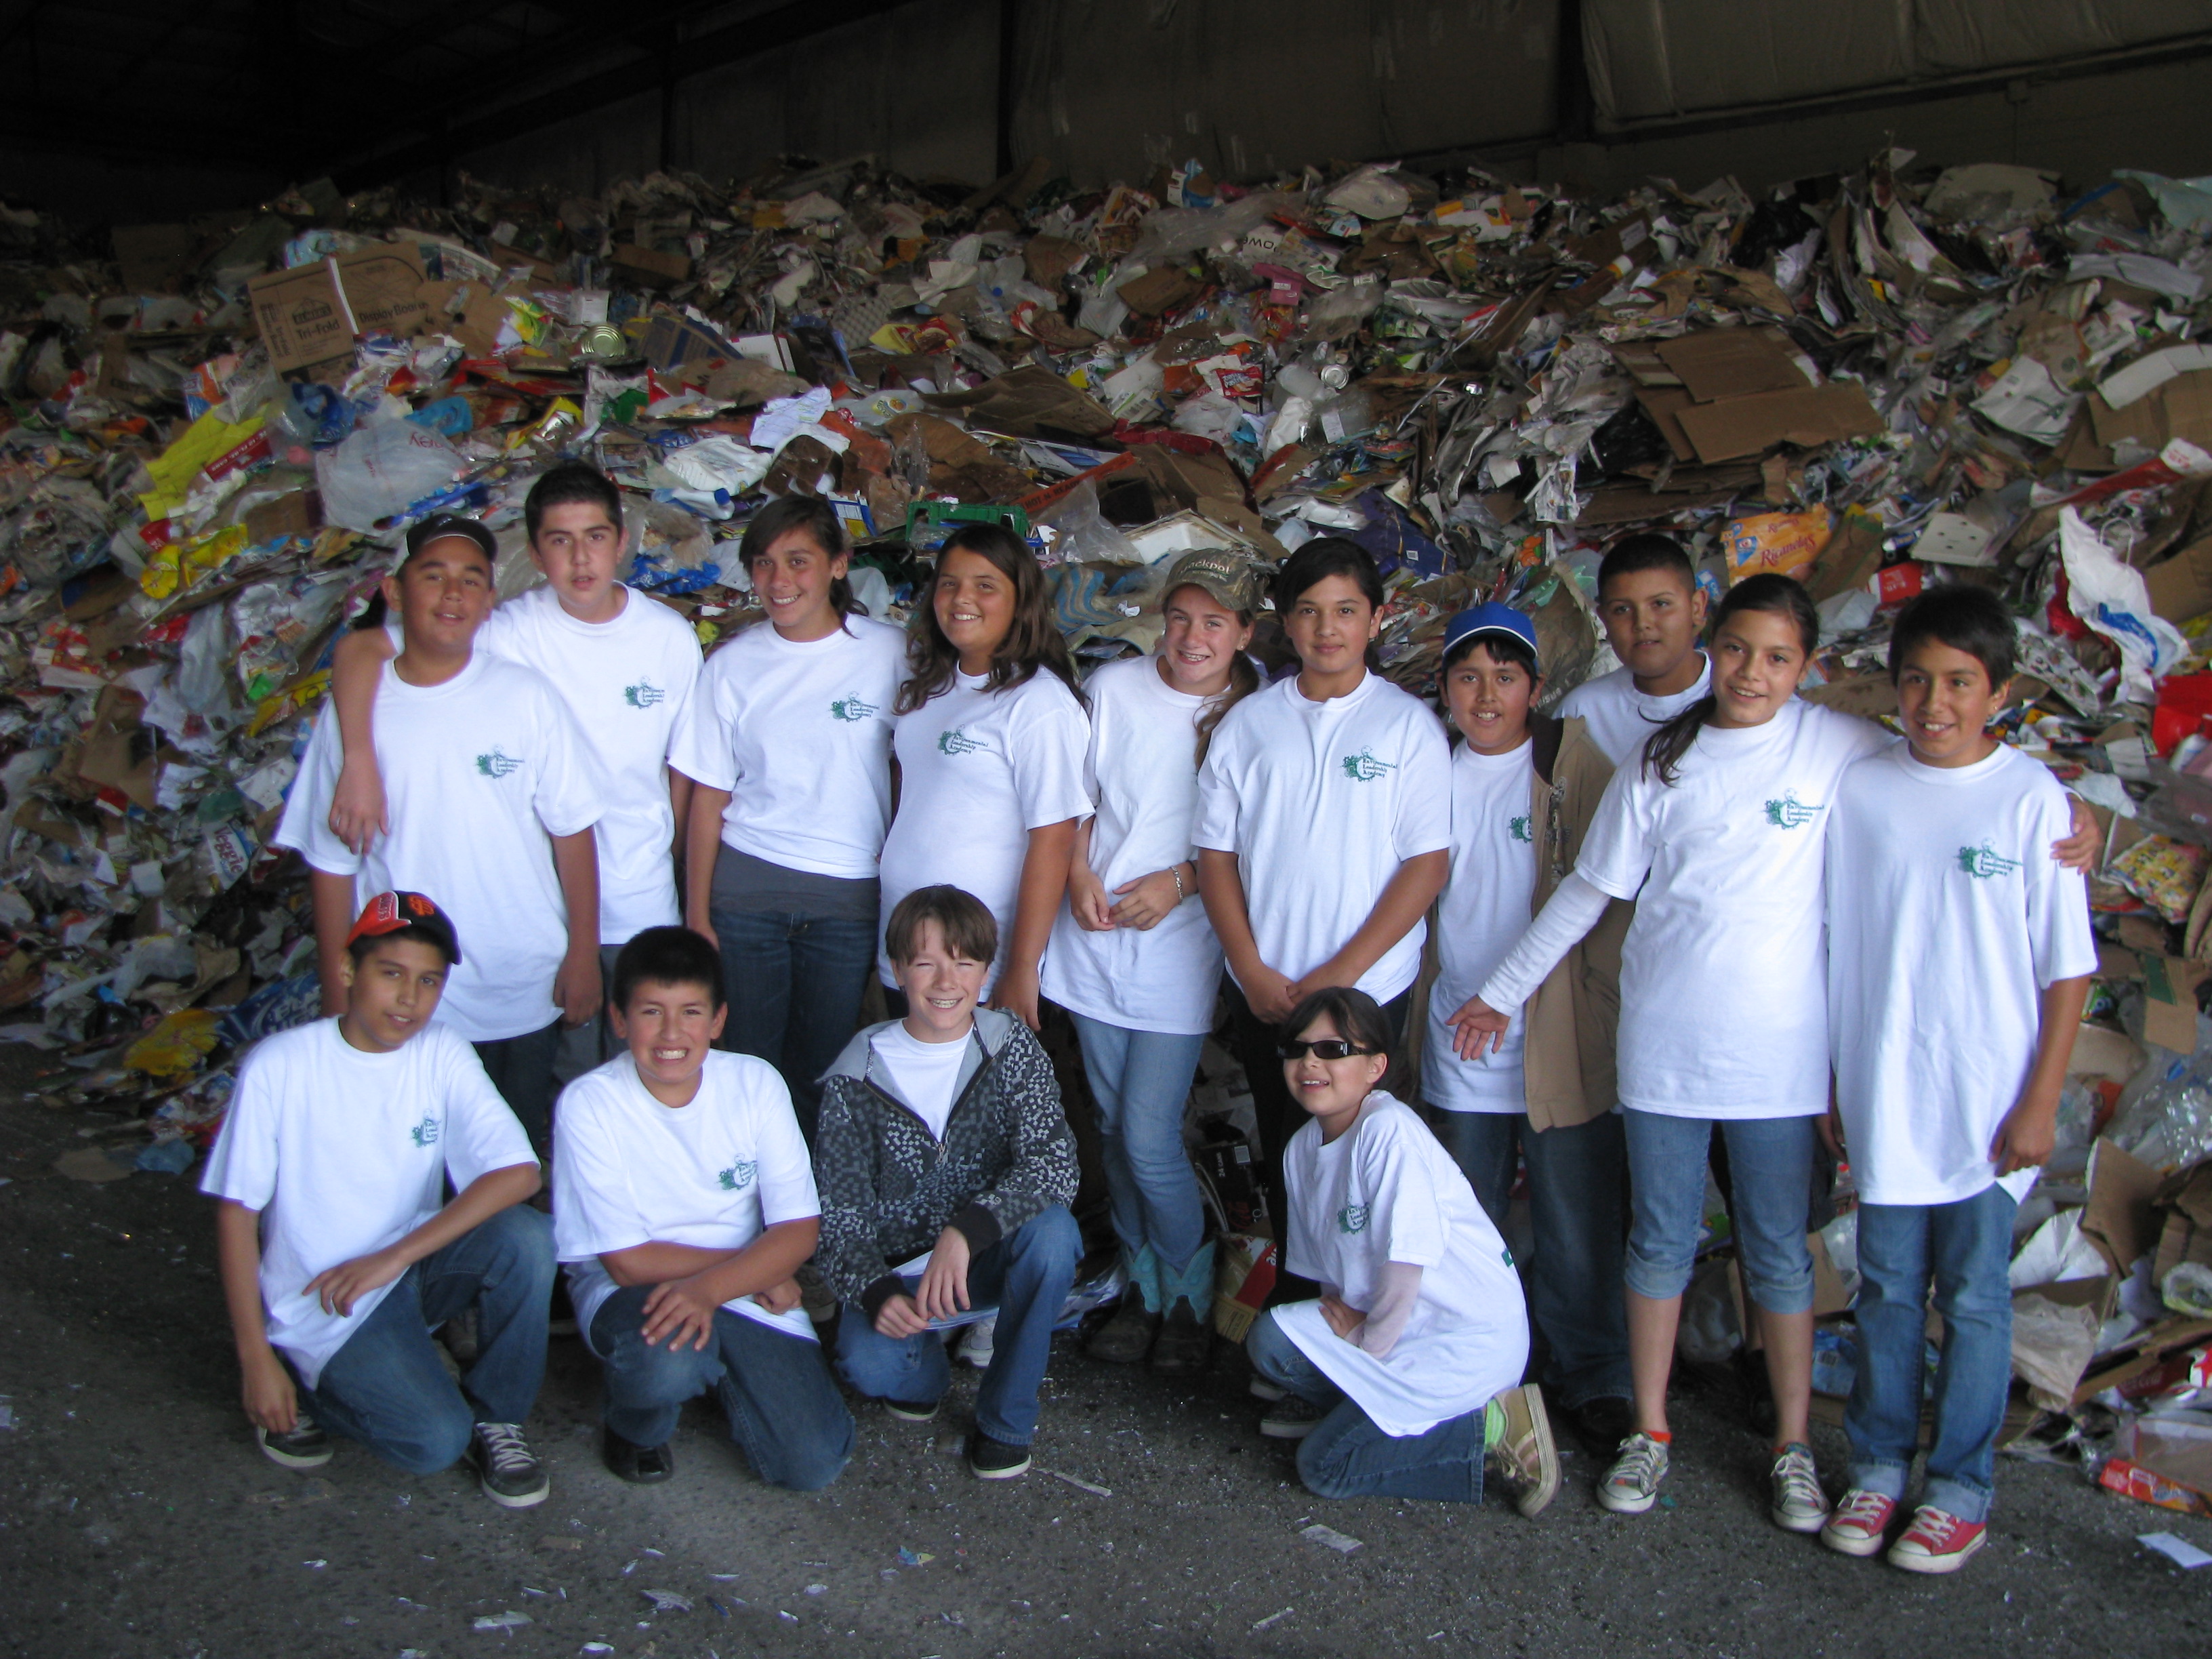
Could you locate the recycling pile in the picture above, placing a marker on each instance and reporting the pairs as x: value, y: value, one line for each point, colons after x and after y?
x: 216, y: 433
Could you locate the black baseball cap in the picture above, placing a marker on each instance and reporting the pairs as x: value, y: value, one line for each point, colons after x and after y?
x: 439, y: 526
x: 388, y: 913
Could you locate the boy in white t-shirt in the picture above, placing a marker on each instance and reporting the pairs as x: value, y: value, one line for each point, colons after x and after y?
x: 1648, y: 600
x: 625, y: 666
x: 338, y: 1251
x: 1958, y: 959
x: 684, y: 1202
x: 494, y: 797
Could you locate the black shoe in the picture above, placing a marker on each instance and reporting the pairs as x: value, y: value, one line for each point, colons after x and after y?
x: 994, y: 1459
x: 1127, y: 1337
x: 1184, y: 1343
x: 1601, y: 1424
x: 506, y: 1469
x: 642, y: 1466
x: 304, y: 1447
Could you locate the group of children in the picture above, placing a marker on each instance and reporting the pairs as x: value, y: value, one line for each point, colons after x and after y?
x: 1691, y: 897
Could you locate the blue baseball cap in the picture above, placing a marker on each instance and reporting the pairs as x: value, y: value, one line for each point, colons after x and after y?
x: 1489, y: 618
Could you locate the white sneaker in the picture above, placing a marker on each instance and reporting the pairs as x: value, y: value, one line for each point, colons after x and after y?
x: 1800, y: 1505
x: 975, y: 1347
x: 1632, y: 1485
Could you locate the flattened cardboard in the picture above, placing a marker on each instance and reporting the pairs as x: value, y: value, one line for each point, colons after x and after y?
x: 651, y: 266
x: 2170, y: 1000
x: 2121, y: 1219
x: 311, y: 313
x: 1736, y: 427
x: 1733, y: 362
x: 1665, y: 404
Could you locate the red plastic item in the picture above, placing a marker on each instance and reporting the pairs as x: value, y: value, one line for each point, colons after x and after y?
x: 1898, y: 582
x: 2184, y: 702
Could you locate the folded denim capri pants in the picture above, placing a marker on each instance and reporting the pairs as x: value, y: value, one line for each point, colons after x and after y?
x: 1770, y: 1160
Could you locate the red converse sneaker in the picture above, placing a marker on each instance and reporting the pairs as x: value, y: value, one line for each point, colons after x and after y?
x: 1936, y: 1541
x: 1860, y: 1525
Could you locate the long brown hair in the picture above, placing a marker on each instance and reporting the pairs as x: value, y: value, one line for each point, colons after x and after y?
x: 1032, y: 642
x: 1244, y: 677
x: 1768, y: 591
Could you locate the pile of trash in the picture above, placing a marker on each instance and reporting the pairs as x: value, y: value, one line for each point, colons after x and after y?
x: 1875, y: 382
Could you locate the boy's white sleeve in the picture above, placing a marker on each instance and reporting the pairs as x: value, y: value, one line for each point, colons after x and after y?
x: 2058, y: 930
x: 788, y: 1192
x: 1424, y: 819
x: 593, y: 1214
x: 481, y: 1131
x: 1571, y: 911
x: 700, y: 746
x: 572, y: 785
x: 1047, y: 739
x: 1215, y: 826
x: 306, y: 824
x: 241, y: 1166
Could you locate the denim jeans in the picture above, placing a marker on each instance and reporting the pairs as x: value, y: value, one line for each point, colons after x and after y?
x: 1965, y: 1249
x: 521, y: 1069
x: 794, y: 984
x: 1346, y: 1456
x: 1142, y: 1080
x: 1577, y: 1197
x: 387, y: 1387
x: 584, y: 1047
x: 774, y: 1386
x: 1026, y: 1275
x: 1771, y: 1160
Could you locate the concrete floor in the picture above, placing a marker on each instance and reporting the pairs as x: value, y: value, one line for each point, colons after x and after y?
x: 137, y: 1518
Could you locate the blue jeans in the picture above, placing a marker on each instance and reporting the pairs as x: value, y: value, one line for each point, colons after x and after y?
x: 1347, y: 1456
x: 1577, y: 1194
x: 773, y: 1386
x: 1026, y: 1275
x: 1966, y: 1248
x: 387, y: 1387
x: 583, y: 1047
x: 794, y: 984
x: 521, y: 1069
x: 1142, y: 1080
x: 1771, y: 1161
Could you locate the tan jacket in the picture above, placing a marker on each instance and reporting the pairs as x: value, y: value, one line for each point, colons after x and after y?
x: 1567, y: 1065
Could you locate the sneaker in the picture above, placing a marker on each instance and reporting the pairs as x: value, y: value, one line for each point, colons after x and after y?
x: 1291, y: 1418
x: 304, y: 1446
x: 1263, y: 1390
x: 976, y: 1343
x: 1126, y: 1338
x: 1631, y: 1485
x: 911, y: 1411
x: 994, y: 1459
x: 642, y: 1466
x: 1860, y: 1525
x: 506, y: 1469
x: 1799, y: 1504
x: 1937, y: 1541
x: 1524, y: 1461
x: 1183, y: 1345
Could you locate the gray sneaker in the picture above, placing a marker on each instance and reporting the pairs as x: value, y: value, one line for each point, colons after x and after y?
x: 1291, y: 1418
x: 1800, y: 1505
x: 1631, y: 1485
x: 506, y: 1469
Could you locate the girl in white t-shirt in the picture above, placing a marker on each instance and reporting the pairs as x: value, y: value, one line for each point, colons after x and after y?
x: 1133, y: 960
x: 1402, y: 1380
x: 1324, y: 826
x: 990, y: 746
x: 789, y: 742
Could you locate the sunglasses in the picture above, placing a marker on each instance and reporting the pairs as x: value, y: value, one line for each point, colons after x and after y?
x: 1321, y: 1049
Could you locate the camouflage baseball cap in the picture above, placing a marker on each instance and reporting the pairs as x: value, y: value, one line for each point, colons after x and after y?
x: 1223, y: 574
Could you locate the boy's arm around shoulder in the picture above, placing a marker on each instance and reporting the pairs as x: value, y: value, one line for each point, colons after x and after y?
x: 359, y: 811
x: 1043, y: 1171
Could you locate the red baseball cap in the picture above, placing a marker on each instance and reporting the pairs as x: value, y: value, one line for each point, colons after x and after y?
x: 387, y: 913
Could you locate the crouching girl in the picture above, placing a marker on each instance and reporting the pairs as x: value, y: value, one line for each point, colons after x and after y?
x: 1400, y: 1382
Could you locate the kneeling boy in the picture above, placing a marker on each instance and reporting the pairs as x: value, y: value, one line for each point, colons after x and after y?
x: 947, y: 1168
x: 336, y: 1251
x: 683, y: 1204
x: 1959, y: 957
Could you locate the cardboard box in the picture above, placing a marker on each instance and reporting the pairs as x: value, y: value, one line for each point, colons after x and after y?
x: 1715, y: 364
x: 2170, y: 1000
x: 1736, y: 427
x: 2181, y: 588
x: 311, y: 314
x: 650, y: 266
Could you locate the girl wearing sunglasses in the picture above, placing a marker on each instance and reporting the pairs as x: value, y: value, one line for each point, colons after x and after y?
x: 1400, y: 1380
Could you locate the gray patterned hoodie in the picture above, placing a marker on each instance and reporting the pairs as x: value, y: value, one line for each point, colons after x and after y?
x: 888, y: 1187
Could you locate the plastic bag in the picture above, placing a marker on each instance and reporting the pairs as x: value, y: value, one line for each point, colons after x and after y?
x: 2111, y: 597
x: 383, y: 470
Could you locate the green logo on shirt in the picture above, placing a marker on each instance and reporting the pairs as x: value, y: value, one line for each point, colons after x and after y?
x: 737, y: 1177
x: 1789, y: 812
x: 425, y: 1133
x: 1523, y: 830
x: 497, y: 764
x: 1506, y: 1255
x: 956, y: 741
x: 643, y: 695
x: 1981, y: 862
x: 854, y: 709
x: 1352, y: 1218
x: 1363, y: 767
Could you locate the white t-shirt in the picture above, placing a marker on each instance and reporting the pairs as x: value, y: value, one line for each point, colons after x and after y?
x: 1143, y: 772
x: 1621, y: 718
x: 1723, y: 986
x: 1321, y: 802
x: 1384, y: 1191
x: 926, y: 1076
x: 1946, y: 918
x: 629, y: 683
x: 978, y: 770
x: 478, y: 772
x: 344, y: 1152
x: 715, y: 1174
x: 1485, y: 908
x: 800, y: 735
